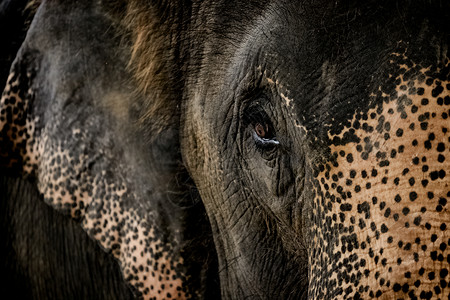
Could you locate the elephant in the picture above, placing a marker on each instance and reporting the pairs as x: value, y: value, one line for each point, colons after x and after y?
x: 227, y: 149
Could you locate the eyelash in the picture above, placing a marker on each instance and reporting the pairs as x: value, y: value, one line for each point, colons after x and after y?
x: 264, y: 141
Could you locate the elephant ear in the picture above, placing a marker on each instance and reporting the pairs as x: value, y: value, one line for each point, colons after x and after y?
x: 69, y: 119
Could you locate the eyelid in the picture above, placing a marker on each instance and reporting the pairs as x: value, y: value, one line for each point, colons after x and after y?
x: 265, y: 141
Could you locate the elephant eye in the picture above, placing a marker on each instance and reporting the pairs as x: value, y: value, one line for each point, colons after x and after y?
x: 261, y: 130
x: 264, y: 135
x: 261, y: 127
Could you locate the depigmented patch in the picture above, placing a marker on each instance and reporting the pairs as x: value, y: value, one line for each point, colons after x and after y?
x: 381, y: 212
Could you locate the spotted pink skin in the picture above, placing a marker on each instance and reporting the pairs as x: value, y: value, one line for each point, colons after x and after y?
x: 387, y: 197
x: 149, y: 265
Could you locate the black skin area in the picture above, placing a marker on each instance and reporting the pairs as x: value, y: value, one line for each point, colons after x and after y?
x: 15, y: 17
x: 241, y: 212
x: 47, y: 255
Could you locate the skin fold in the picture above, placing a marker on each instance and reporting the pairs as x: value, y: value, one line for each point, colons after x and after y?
x: 235, y: 150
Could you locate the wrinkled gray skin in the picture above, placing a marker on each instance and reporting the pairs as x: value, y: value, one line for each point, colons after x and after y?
x: 275, y: 150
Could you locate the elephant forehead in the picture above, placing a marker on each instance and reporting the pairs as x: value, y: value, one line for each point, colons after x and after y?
x: 380, y: 215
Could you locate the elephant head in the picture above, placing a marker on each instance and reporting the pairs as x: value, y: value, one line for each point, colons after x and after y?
x: 302, y: 147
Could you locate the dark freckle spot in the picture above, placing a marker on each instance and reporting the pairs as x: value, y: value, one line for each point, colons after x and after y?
x: 427, y: 226
x: 364, y: 208
x: 424, y: 125
x: 384, y: 180
x: 399, y: 132
x: 397, y: 198
x: 412, y: 126
x: 374, y: 173
x: 433, y: 255
x: 384, y: 228
x: 364, y: 155
x: 424, y: 183
x: 415, y: 160
x: 440, y: 101
x: 412, y: 196
x: 350, y: 158
x: 441, y: 158
x: 346, y: 207
x: 401, y: 148
x: 441, y: 147
x: 384, y: 163
x: 443, y: 226
x: 434, y: 175
x: 425, y: 168
x: 352, y: 174
x: 374, y: 200
x: 411, y: 181
x: 417, y: 220
x: 424, y: 101
x: 431, y: 275
x: 405, y: 211
x: 427, y: 145
x: 430, y: 195
x: 396, y: 180
x: 437, y: 91
x: 393, y: 153
x: 403, y: 115
x: 414, y: 109
x: 395, y: 216
x: 433, y: 238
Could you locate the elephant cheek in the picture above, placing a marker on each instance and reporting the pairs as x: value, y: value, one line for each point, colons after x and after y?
x: 381, y: 215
